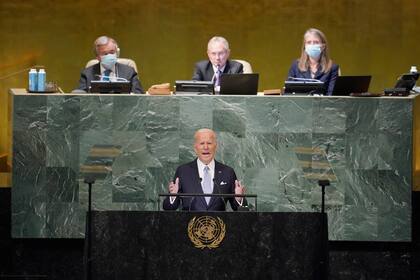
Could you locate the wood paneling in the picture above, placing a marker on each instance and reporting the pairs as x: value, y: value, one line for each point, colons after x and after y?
x: 166, y: 37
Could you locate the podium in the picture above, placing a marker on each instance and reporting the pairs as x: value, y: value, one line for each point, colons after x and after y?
x: 172, y: 245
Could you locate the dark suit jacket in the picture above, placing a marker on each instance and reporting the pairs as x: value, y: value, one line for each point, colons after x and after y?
x: 328, y: 78
x: 189, y: 182
x: 93, y: 72
x: 203, y: 70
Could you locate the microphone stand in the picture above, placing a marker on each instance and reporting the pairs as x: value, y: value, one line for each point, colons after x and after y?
x: 217, y: 187
x: 88, y: 236
x: 193, y: 198
x: 324, y: 231
x: 21, y: 71
x: 229, y: 195
x: 232, y: 200
x: 179, y: 196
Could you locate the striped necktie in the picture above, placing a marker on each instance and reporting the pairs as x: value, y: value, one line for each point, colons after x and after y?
x: 217, y: 77
x: 207, y: 183
x: 105, y: 76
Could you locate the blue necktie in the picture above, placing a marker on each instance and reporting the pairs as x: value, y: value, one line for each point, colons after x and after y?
x: 105, y: 76
x: 207, y: 183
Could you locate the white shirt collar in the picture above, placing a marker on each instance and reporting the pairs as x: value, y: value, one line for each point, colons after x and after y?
x: 201, y: 166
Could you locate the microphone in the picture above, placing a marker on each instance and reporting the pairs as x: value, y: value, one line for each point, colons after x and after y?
x: 172, y: 199
x: 218, y: 189
x: 213, y: 79
x: 117, y: 78
x: 99, y: 76
x: 111, y: 79
x: 192, y: 199
x: 304, y: 80
x: 243, y: 207
x: 20, y: 71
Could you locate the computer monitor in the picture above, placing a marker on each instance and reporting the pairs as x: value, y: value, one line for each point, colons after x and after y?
x: 239, y: 84
x: 345, y: 85
x: 303, y: 87
x: 194, y: 87
x: 110, y: 87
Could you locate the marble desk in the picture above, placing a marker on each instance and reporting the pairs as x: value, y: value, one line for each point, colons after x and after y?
x: 277, y: 145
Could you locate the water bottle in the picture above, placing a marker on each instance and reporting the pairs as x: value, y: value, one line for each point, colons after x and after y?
x: 33, y: 80
x: 41, y: 80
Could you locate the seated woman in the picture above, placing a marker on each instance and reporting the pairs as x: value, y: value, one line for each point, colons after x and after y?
x: 314, y: 61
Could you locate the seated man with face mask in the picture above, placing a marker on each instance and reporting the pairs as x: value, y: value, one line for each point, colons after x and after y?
x: 108, y: 69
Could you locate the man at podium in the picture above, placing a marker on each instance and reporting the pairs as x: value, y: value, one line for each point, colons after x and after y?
x: 204, y: 175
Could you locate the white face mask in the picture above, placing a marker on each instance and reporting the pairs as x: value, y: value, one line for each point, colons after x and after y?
x: 108, y: 61
x: 313, y: 51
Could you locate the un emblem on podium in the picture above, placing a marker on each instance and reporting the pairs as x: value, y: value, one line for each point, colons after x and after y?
x: 206, y: 231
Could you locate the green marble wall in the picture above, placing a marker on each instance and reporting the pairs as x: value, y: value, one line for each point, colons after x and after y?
x: 368, y: 144
x: 166, y: 37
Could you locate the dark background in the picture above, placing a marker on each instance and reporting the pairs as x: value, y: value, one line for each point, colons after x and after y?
x: 63, y: 258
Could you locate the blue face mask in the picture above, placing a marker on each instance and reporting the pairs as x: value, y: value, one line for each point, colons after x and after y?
x: 313, y: 51
x: 108, y: 61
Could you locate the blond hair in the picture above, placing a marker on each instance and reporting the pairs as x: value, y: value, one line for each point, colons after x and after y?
x: 325, y: 60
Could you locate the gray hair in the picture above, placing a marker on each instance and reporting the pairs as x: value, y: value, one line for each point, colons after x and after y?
x: 103, y: 40
x: 218, y: 39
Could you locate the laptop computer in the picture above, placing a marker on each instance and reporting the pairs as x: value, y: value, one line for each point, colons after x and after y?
x: 404, y: 85
x: 344, y: 85
x: 239, y: 84
x: 407, y: 81
x: 110, y: 87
